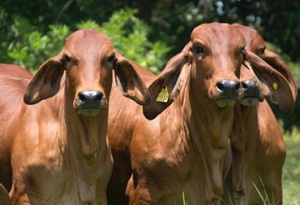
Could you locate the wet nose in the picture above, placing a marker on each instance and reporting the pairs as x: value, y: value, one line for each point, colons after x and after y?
x: 90, y: 98
x: 228, y: 88
x: 250, y: 89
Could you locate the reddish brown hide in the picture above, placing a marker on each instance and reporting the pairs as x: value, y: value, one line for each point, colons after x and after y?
x: 258, y: 148
x: 59, y: 145
x: 182, y: 149
x: 14, y: 80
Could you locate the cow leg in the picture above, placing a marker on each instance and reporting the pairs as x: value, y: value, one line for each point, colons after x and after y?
x: 238, y: 179
x: 218, y: 173
x: 4, y: 197
x: 137, y: 194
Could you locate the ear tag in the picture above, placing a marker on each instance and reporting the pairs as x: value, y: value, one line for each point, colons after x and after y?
x: 275, y: 86
x: 163, y: 96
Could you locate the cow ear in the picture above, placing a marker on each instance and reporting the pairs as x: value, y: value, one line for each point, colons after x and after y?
x: 4, y: 197
x: 277, y: 63
x: 270, y: 82
x: 167, y: 86
x: 46, y: 81
x: 129, y: 81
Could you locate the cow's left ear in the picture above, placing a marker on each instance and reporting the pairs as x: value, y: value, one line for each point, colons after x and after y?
x: 46, y: 81
x: 129, y: 81
x: 271, y: 83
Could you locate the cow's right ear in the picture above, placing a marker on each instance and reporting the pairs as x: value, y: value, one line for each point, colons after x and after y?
x: 46, y: 81
x: 270, y: 82
x: 4, y: 197
x: 167, y: 86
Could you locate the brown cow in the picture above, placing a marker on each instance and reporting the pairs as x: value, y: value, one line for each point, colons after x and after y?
x: 257, y: 143
x: 14, y: 71
x: 18, y: 78
x: 59, y: 148
x: 182, y: 149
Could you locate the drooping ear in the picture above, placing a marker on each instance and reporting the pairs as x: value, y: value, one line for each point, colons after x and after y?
x: 4, y: 197
x: 167, y: 86
x: 277, y: 63
x: 270, y: 82
x: 46, y: 81
x: 129, y: 81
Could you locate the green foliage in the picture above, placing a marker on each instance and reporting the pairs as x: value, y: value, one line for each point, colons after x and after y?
x: 291, y: 168
x: 32, y: 47
x: 266, y: 200
x: 130, y: 36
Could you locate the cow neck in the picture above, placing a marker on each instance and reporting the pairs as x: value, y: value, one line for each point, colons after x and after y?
x: 86, y: 146
x: 209, y: 129
x: 211, y: 124
x: 240, y: 135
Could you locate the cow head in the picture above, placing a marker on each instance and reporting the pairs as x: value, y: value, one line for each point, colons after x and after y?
x: 276, y: 82
x: 87, y: 60
x: 212, y: 62
x: 209, y: 65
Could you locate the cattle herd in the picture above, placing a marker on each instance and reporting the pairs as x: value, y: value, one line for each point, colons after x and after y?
x: 198, y: 133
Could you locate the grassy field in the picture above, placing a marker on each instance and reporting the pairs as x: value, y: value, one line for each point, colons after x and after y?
x: 291, y: 169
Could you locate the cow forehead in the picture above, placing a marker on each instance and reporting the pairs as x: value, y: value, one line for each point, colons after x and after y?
x: 218, y: 34
x: 253, y: 38
x: 88, y: 42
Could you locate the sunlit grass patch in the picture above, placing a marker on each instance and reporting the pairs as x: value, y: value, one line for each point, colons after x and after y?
x: 291, y: 169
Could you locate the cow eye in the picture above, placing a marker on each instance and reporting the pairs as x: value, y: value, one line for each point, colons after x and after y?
x: 199, y: 49
x: 66, y: 60
x: 262, y: 50
x: 111, y: 58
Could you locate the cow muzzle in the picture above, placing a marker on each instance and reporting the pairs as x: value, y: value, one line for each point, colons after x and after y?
x: 228, y: 93
x: 251, y: 94
x: 90, y: 102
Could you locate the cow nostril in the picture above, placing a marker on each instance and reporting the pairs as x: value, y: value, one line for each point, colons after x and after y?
x: 248, y: 84
x: 81, y: 97
x: 220, y: 86
x: 245, y: 85
x: 98, y: 97
x: 237, y: 87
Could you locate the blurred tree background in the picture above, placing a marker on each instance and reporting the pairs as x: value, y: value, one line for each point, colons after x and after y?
x: 149, y: 32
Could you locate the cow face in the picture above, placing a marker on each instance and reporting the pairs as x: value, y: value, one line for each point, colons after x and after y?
x: 209, y: 65
x: 217, y: 54
x: 88, y: 59
x: 87, y: 62
x: 278, y: 76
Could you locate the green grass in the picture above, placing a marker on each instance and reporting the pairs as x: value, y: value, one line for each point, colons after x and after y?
x: 266, y: 200
x: 291, y: 169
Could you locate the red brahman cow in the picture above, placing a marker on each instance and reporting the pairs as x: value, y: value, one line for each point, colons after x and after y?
x: 258, y: 147
x: 59, y: 149
x: 18, y: 78
x: 182, y: 149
